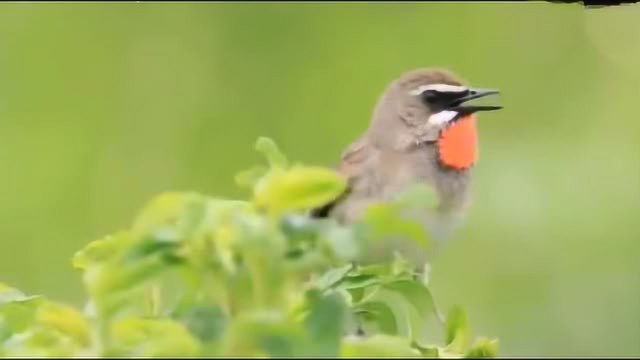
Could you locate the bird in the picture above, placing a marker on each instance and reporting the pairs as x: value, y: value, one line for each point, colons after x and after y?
x: 421, y: 131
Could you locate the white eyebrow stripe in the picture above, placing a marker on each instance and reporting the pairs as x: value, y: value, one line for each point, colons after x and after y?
x: 439, y: 88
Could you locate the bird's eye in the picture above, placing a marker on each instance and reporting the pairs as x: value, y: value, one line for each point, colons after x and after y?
x: 430, y: 96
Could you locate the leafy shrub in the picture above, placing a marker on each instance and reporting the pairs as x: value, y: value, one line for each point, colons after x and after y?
x: 205, y: 276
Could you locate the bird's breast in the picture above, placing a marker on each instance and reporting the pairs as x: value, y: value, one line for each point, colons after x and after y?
x: 451, y: 185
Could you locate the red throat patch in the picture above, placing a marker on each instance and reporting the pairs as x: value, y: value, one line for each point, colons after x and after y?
x: 458, y: 144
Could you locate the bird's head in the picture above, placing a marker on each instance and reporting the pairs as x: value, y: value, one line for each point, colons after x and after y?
x: 431, y: 106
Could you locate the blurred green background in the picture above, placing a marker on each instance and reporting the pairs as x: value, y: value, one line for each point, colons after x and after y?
x: 102, y: 106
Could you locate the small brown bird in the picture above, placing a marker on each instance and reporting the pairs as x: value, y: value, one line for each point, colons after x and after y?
x: 421, y: 131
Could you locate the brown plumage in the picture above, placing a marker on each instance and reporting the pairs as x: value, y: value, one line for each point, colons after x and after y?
x: 420, y: 132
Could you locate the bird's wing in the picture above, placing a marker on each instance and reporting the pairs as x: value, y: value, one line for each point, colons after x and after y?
x: 352, y: 161
x: 354, y: 157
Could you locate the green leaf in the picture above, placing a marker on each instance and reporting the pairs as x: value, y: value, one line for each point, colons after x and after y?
x: 64, y: 319
x: 378, y: 346
x: 386, y: 220
x: 139, y: 337
x: 381, y: 270
x: 342, y: 243
x: 457, y: 330
x: 297, y: 188
x: 250, y: 177
x: 40, y: 342
x: 263, y: 333
x: 117, y: 278
x: 360, y: 281
x: 273, y: 154
x: 416, y: 294
x: 410, y: 303
x: 192, y: 216
x: 377, y: 317
x: 9, y: 294
x: 101, y: 250
x: 428, y: 351
x: 483, y: 348
x: 406, y: 318
x: 400, y: 266
x: 148, y: 247
x: 325, y: 324
x: 33, y: 326
x: 332, y: 277
x: 301, y: 231
x: 276, y: 345
x: 20, y: 313
x: 206, y: 322
x: 123, y: 263
x: 172, y: 213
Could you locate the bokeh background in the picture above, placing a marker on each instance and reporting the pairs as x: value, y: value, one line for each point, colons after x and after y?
x: 102, y: 106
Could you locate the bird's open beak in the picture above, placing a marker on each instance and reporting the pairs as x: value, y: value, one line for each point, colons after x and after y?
x: 458, y: 103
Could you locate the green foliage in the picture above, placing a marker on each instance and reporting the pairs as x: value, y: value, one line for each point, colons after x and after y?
x: 203, y: 276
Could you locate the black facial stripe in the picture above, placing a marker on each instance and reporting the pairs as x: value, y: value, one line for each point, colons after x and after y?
x: 441, y: 100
